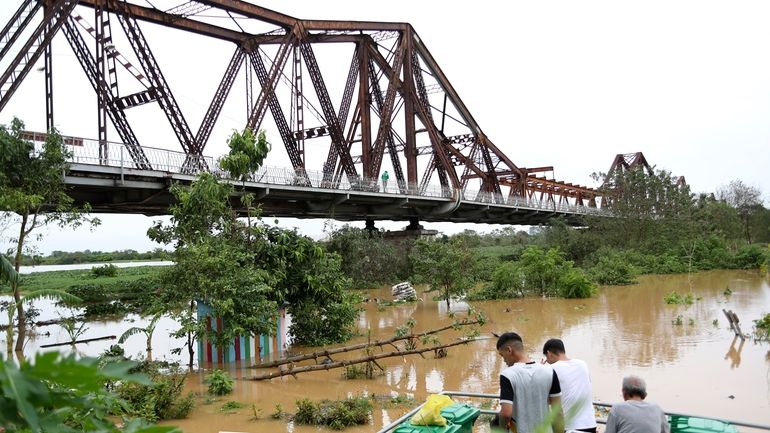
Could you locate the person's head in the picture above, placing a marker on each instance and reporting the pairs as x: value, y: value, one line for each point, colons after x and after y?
x: 634, y: 387
x: 553, y: 350
x: 510, y: 347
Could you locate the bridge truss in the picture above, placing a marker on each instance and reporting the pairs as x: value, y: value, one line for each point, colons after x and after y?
x: 396, y: 110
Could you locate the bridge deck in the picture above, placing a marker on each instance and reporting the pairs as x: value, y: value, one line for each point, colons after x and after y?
x: 111, y: 189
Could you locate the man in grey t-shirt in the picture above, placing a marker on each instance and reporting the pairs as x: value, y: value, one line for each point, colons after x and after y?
x: 635, y: 415
x: 527, y: 389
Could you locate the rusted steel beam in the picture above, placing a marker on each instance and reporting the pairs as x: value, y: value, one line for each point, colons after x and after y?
x: 501, y: 173
x: 391, y: 146
x: 278, y: 115
x: 338, y: 140
x: 164, y: 19
x: 117, y: 115
x: 386, y: 111
x: 250, y: 10
x: 153, y: 72
x: 364, y: 26
x: 257, y: 113
x: 364, y: 104
x: 218, y: 101
x: 343, y: 113
x: 38, y: 41
x: 441, y: 155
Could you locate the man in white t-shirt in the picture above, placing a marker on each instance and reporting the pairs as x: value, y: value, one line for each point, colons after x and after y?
x: 575, y: 382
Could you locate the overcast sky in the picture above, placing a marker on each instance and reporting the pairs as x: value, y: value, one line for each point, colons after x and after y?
x: 562, y: 83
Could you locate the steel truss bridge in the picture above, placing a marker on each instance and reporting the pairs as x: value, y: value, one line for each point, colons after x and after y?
x: 395, y: 101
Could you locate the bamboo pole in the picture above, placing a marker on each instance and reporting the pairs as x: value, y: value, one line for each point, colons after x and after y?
x: 378, y: 343
x: 348, y: 362
x: 87, y: 340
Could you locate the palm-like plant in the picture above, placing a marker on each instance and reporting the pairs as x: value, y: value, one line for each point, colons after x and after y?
x: 147, y: 331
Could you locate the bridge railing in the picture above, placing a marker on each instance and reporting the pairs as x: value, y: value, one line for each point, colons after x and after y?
x: 86, y: 151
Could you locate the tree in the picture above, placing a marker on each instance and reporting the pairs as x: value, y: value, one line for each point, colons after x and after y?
x: 650, y: 210
x: 746, y: 199
x: 245, y: 272
x: 247, y: 153
x: 367, y: 258
x: 444, y: 265
x: 32, y: 187
x: 212, y: 264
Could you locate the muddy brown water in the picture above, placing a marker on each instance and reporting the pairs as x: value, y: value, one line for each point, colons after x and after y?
x: 694, y: 368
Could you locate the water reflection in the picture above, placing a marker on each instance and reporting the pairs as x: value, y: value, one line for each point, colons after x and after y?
x: 624, y: 330
x: 733, y: 354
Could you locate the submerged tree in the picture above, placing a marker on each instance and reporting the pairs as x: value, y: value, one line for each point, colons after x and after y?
x: 32, y: 187
x: 245, y: 272
x: 444, y: 265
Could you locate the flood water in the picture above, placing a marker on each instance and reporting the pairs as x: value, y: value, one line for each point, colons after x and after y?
x: 693, y: 368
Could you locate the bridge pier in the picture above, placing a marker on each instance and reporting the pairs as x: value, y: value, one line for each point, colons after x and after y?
x: 369, y: 227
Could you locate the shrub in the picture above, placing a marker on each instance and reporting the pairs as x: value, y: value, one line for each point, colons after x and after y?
x: 159, y: 400
x: 334, y: 414
x: 88, y: 292
x: 750, y: 257
x: 231, y: 406
x: 674, y: 298
x: 108, y: 270
x: 613, y: 269
x: 220, y: 382
x: 575, y: 284
x: 763, y: 323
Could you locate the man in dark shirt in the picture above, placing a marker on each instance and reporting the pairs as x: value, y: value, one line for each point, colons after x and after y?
x: 527, y: 389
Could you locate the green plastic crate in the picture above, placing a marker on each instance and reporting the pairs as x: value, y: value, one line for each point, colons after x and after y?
x: 407, y: 427
x: 462, y: 415
x: 686, y: 424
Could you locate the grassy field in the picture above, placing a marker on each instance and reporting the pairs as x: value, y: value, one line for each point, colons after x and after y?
x: 61, y: 280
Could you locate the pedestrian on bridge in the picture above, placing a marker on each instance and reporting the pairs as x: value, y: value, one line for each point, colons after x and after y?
x: 385, y: 176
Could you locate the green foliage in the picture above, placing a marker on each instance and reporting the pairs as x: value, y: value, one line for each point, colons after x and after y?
x: 108, y: 270
x: 67, y: 258
x: 537, y: 272
x: 443, y: 264
x: 336, y: 415
x: 231, y: 407
x: 220, y: 382
x: 278, y: 413
x: 367, y: 259
x: 674, y: 298
x: 246, y: 271
x: 750, y: 257
x: 763, y: 323
x: 357, y: 371
x: 148, y: 331
x: 612, y: 269
x: 575, y: 284
x: 320, y: 325
x: 678, y: 321
x: 160, y: 398
x: 32, y: 187
x: 7, y: 272
x: 246, y: 155
x: 747, y: 201
x: 58, y: 393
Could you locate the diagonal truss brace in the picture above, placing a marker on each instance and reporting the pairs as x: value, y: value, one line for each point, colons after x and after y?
x: 117, y: 115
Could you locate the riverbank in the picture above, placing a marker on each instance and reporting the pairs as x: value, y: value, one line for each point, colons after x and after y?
x: 63, y: 279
